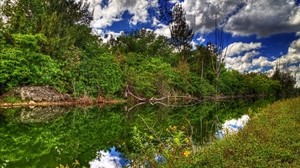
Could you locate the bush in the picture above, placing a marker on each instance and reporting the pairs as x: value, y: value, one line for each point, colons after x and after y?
x: 99, y: 74
x: 149, y: 76
x: 26, y: 67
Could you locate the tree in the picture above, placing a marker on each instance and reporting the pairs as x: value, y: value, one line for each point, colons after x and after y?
x: 181, y: 33
x: 201, y: 63
x: 142, y: 41
x: 286, y: 80
x: 64, y: 22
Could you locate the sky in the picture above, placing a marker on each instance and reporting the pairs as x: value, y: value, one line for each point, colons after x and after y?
x: 260, y: 34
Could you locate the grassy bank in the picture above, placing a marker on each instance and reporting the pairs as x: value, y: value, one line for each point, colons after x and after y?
x: 271, y: 139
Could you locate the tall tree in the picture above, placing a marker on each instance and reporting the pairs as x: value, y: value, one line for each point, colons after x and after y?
x: 286, y: 80
x: 181, y: 33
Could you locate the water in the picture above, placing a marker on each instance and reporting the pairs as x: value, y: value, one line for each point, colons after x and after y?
x: 48, y: 137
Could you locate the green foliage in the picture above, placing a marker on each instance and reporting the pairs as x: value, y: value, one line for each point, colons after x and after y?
x: 286, y: 81
x: 144, y: 42
x: 232, y: 83
x: 50, y: 43
x: 201, y: 62
x: 11, y: 99
x: 174, y: 149
x: 99, y: 75
x: 22, y: 64
x: 148, y: 76
x: 200, y: 86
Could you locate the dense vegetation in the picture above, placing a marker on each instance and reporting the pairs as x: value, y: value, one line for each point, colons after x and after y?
x: 49, y: 42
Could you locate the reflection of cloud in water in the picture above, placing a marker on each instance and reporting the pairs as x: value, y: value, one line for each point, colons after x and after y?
x: 109, y: 159
x: 232, y: 126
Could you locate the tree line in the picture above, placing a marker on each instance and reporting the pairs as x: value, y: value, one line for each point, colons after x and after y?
x: 49, y: 42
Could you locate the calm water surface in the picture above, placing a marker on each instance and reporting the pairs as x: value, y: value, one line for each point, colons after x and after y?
x: 48, y: 137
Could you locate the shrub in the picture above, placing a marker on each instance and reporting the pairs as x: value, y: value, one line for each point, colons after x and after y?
x: 99, y: 74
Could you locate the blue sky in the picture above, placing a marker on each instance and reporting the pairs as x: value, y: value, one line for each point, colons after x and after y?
x: 261, y: 32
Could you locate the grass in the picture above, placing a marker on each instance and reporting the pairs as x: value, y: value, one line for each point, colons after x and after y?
x: 270, y: 139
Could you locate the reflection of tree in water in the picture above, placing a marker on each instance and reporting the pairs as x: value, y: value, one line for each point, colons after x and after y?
x: 68, y: 136
x: 35, y: 138
x: 41, y: 114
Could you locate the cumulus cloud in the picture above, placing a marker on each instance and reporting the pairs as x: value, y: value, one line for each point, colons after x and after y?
x: 293, y: 55
x: 242, y: 63
x: 296, y: 72
x: 244, y: 17
x: 163, y: 30
x: 112, y: 12
x: 239, y: 47
x: 262, y: 62
x: 245, y: 57
x: 291, y: 60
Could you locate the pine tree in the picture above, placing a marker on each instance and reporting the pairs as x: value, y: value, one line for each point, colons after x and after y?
x: 181, y: 33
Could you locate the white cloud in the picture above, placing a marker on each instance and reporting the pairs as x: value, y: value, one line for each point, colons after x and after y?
x: 245, y: 57
x: 200, y: 40
x: 107, y: 15
x: 291, y: 60
x: 106, y: 35
x: 293, y: 54
x: 155, y: 22
x: 296, y: 73
x: 239, y: 47
x: 242, y: 63
x: 294, y: 19
x: 244, y: 17
x: 261, y: 62
x: 163, y: 30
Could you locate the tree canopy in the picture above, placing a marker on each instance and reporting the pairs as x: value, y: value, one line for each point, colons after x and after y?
x: 50, y: 42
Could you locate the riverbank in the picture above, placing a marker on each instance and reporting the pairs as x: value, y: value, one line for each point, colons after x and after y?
x: 42, y: 96
x: 270, y: 139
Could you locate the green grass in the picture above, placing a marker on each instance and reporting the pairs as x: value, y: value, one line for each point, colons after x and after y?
x: 270, y: 139
x: 11, y: 99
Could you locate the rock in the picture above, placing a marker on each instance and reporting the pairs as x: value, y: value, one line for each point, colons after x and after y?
x: 40, y: 93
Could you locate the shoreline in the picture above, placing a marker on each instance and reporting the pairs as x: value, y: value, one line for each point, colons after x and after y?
x: 32, y: 104
x: 86, y: 101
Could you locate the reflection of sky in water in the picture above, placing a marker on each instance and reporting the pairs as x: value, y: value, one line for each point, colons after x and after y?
x: 114, y: 159
x: 232, y: 126
x: 109, y: 159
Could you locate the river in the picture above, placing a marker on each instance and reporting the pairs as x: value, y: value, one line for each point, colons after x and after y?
x: 50, y: 136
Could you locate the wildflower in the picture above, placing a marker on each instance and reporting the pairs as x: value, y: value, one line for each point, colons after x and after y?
x: 151, y: 137
x: 182, y: 128
x: 187, y: 140
x: 186, y: 153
